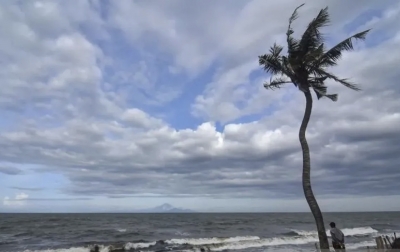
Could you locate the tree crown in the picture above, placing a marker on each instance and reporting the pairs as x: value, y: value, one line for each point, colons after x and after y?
x: 306, y: 62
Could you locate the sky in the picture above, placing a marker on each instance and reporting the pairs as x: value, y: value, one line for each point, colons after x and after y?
x: 110, y: 106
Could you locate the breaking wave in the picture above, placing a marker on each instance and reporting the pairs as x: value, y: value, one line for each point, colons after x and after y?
x: 357, y: 231
x: 131, y: 245
x: 73, y: 249
x: 257, y: 243
x: 294, y: 237
x: 214, y: 240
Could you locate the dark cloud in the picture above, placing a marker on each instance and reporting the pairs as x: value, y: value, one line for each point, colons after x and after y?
x: 154, y: 196
x: 106, y: 148
x: 251, y: 168
x: 51, y: 199
x: 33, y: 189
x: 10, y: 170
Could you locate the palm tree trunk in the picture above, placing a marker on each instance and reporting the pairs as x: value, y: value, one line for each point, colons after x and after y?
x: 308, y: 193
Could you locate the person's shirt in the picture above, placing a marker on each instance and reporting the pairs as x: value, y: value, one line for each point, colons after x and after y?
x: 337, y: 235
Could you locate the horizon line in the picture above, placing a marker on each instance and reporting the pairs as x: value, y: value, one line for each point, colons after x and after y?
x: 200, y: 212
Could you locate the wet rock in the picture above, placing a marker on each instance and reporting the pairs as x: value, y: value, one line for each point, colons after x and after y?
x: 396, y: 244
x: 96, y: 248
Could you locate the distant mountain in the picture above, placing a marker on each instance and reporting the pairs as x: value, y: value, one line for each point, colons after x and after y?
x: 166, y: 208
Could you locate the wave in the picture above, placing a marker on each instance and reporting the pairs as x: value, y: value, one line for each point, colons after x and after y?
x: 357, y: 231
x: 213, y: 240
x: 73, y: 249
x: 364, y: 244
x: 361, y: 231
x: 179, y: 233
x: 293, y: 233
x: 294, y: 237
x: 209, y: 244
x: 132, y: 245
x: 23, y: 234
x: 265, y: 242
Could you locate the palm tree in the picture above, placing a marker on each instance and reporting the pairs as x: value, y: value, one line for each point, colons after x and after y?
x: 305, y: 66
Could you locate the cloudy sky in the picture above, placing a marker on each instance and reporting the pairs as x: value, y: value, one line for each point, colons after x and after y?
x: 123, y: 105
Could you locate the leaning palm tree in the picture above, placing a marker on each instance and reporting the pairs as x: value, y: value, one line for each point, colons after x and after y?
x: 305, y: 65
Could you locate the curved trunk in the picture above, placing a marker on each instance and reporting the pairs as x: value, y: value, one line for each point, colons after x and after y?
x: 308, y: 193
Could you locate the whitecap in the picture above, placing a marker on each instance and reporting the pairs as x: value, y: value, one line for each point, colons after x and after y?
x: 213, y: 240
x: 357, y: 231
x: 132, y: 245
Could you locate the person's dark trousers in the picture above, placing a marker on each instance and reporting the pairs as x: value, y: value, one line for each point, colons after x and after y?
x: 339, y: 247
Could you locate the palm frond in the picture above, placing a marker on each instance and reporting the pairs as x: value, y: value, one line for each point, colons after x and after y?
x: 312, y: 37
x: 321, y: 91
x: 317, y: 84
x: 321, y: 20
x: 322, y: 73
x: 292, y: 43
x: 331, y: 57
x: 333, y: 97
x: 312, y: 57
x: 287, y: 67
x: 276, y: 83
x: 307, y: 58
x: 272, y: 63
x: 276, y: 50
x: 294, y: 15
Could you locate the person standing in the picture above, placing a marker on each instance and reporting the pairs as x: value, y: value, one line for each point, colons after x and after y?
x: 337, y: 238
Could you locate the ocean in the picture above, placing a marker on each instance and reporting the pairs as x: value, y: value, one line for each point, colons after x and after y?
x: 186, y: 232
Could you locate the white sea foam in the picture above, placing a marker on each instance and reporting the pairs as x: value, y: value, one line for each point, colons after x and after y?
x: 131, y: 245
x: 73, y: 249
x: 127, y: 246
x: 179, y: 233
x: 267, y: 242
x: 271, y: 249
x: 357, y: 231
x: 234, y: 243
x: 214, y: 240
x: 359, y: 245
x: 272, y: 242
x: 121, y: 230
x: 304, y: 237
x: 242, y: 242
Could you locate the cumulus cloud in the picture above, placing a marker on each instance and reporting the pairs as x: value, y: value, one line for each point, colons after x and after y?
x: 18, y: 200
x: 137, y: 118
x: 21, y: 196
x: 76, y: 109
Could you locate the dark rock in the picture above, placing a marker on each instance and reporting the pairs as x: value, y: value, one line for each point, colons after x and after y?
x: 96, y: 248
x: 160, y: 242
x: 396, y: 244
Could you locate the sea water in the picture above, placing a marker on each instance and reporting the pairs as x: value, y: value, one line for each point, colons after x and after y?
x: 186, y: 232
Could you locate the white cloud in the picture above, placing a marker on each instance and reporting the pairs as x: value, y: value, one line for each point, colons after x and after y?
x: 238, y: 34
x: 138, y: 118
x: 21, y: 196
x: 18, y: 200
x: 50, y: 71
x: 71, y: 116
